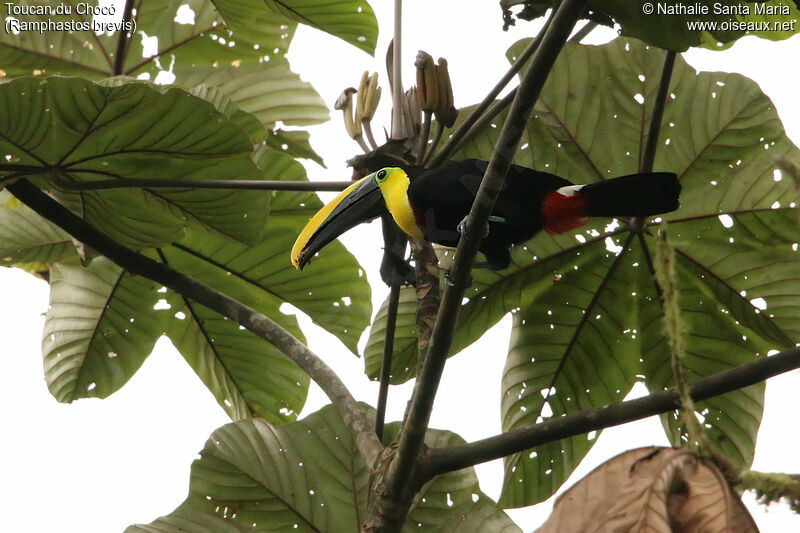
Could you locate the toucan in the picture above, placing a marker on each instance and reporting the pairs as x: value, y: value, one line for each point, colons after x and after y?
x: 433, y: 204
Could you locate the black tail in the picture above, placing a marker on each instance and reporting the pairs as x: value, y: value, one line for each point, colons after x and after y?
x: 634, y: 196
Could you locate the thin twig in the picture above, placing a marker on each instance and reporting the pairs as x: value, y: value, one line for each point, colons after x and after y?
x: 400, y: 481
x: 443, y: 460
x: 386, y: 365
x: 456, y: 138
x: 264, y: 327
x: 124, y: 36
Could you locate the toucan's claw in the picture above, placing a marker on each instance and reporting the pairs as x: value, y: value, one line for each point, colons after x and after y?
x: 462, y: 227
x: 448, y: 279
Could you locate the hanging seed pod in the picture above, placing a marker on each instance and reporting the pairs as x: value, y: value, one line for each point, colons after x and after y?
x: 427, y: 85
x: 445, y: 111
x: 361, y: 96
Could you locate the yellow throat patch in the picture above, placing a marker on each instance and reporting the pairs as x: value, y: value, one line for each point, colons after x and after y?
x: 394, y: 188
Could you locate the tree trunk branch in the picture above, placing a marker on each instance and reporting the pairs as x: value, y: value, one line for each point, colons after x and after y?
x: 442, y: 460
x: 352, y: 413
x: 403, y: 476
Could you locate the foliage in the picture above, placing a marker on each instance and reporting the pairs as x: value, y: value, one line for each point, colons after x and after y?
x: 671, y: 26
x: 587, y: 312
x: 309, y: 476
x: 64, y: 132
x: 587, y: 315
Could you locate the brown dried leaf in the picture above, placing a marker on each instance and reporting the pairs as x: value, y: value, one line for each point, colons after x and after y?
x: 653, y: 490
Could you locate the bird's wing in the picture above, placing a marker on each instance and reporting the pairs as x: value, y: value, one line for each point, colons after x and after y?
x: 523, y: 191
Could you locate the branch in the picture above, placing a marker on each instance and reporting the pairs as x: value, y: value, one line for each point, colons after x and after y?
x: 352, y: 413
x: 122, y: 43
x: 453, y: 458
x: 459, y: 134
x: 400, y: 480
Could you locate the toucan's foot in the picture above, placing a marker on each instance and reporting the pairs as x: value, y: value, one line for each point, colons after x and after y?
x: 462, y: 226
x: 448, y: 279
x: 397, y: 271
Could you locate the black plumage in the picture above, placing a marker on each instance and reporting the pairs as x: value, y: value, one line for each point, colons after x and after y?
x: 442, y: 197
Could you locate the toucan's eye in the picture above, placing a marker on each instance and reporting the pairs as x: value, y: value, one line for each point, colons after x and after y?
x: 380, y: 176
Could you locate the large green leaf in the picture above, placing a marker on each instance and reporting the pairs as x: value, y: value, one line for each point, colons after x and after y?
x: 193, y: 44
x: 337, y: 298
x: 711, y: 24
x: 247, y: 375
x: 244, y: 58
x: 100, y: 327
x: 295, y: 143
x: 716, y: 129
x: 350, y: 20
x: 309, y: 476
x: 103, y: 322
x: 570, y: 350
x: 269, y: 91
x: 27, y: 239
x: 200, y: 39
x: 77, y: 53
x: 83, y: 132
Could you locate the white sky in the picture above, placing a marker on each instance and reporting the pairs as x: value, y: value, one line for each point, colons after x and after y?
x: 98, y: 466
